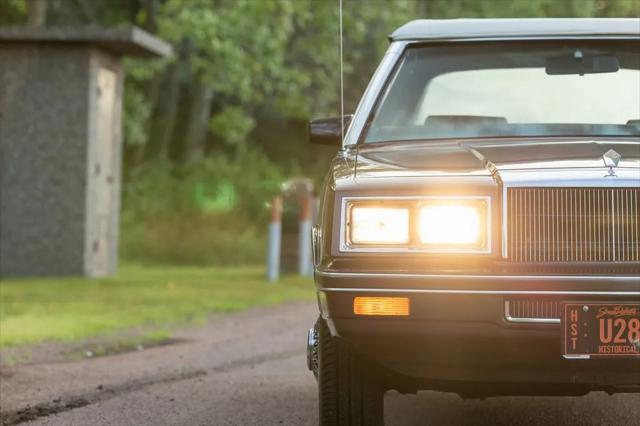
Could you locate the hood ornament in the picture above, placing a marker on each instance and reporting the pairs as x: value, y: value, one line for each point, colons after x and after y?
x: 611, y: 160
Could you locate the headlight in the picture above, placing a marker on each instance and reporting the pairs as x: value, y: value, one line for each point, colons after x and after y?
x: 417, y: 224
x: 378, y: 225
x: 454, y: 225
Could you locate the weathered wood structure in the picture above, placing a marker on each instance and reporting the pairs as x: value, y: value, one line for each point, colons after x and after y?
x: 60, y: 146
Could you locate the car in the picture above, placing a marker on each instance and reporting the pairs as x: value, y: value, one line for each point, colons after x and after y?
x: 479, y: 228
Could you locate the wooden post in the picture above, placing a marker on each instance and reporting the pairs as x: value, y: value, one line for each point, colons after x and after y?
x: 274, y: 240
x: 305, y: 264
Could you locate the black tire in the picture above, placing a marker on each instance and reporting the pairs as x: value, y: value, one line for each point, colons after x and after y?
x: 350, y: 388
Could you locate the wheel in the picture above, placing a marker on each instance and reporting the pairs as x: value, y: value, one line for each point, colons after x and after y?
x: 350, y: 388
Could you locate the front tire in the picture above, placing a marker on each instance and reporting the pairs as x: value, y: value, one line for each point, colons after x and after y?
x: 350, y: 388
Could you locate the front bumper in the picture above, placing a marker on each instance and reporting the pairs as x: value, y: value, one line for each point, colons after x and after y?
x: 458, y: 328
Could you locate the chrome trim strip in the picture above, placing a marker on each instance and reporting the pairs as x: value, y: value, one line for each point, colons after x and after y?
x: 556, y: 37
x: 385, y: 275
x: 533, y: 320
x: 483, y: 292
x: 511, y: 180
x: 509, y: 318
x: 576, y: 356
x: 346, y: 248
x: 505, y: 224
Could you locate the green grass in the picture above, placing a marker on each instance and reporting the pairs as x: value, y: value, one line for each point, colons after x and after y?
x: 66, y: 309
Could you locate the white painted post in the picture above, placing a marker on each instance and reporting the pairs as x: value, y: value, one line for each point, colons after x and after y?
x: 275, y: 239
x: 305, y: 264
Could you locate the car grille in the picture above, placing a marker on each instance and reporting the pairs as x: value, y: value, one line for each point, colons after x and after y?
x: 527, y: 310
x: 573, y: 224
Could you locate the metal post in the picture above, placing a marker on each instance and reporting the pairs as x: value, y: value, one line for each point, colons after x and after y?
x: 305, y: 264
x: 275, y: 238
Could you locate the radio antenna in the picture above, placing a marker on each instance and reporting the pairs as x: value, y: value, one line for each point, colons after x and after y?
x: 341, y: 81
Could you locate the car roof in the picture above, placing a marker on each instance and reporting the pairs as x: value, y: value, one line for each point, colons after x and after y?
x: 527, y: 28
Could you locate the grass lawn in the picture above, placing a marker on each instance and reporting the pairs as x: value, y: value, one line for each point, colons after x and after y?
x: 34, y: 310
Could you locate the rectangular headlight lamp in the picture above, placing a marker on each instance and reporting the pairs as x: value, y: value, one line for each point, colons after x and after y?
x: 454, y: 224
x: 369, y: 224
x: 436, y: 224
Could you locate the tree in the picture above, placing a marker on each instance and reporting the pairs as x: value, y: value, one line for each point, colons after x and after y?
x: 245, y: 68
x: 36, y: 13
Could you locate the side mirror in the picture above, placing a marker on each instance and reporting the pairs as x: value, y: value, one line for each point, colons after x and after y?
x: 328, y: 131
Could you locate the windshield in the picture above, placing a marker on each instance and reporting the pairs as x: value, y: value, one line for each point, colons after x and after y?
x: 581, y: 88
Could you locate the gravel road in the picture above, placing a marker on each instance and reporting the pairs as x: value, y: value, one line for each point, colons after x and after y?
x: 249, y: 369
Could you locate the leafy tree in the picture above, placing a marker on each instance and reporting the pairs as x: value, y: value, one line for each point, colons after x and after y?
x: 242, y: 66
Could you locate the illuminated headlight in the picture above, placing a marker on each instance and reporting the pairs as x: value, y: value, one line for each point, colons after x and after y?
x: 452, y: 225
x: 378, y: 225
x: 417, y: 224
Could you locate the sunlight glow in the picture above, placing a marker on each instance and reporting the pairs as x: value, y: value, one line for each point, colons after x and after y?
x: 450, y: 224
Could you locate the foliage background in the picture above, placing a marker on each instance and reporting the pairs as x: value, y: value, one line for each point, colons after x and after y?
x: 211, y: 133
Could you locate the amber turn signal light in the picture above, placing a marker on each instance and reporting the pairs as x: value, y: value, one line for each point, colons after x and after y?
x: 383, y: 306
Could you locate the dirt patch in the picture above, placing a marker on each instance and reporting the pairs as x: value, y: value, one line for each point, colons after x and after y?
x: 106, y: 392
x: 108, y: 348
x: 224, y: 344
x: 101, y: 393
x: 131, y: 340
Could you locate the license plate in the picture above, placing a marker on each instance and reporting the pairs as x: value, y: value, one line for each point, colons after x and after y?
x: 602, y: 330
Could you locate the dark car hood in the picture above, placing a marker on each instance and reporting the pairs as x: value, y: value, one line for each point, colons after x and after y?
x: 514, y: 161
